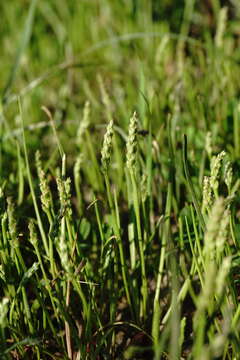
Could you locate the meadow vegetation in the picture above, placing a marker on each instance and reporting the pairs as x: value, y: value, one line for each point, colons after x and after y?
x: 119, y: 188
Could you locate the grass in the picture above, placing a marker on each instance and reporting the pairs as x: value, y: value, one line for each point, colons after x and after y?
x: 119, y: 188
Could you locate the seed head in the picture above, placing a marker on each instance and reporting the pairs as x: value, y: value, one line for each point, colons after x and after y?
x: 33, y: 234
x: 38, y: 161
x: 215, y: 169
x: 64, y: 191
x: 228, y: 175
x: 208, y: 144
x: 144, y: 187
x: 12, y: 223
x: 208, y: 286
x: 207, y: 193
x: 222, y: 274
x: 132, y: 142
x: 46, y: 196
x: 77, y: 166
x: 63, y: 249
x: 213, y: 226
x: 107, y: 146
x: 84, y: 124
x: 223, y: 230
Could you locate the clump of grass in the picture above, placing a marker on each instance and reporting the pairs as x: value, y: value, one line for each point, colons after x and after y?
x: 119, y: 245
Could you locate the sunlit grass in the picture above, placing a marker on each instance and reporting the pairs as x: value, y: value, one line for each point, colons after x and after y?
x: 119, y: 161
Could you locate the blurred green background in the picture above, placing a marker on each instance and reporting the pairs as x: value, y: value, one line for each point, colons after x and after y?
x: 153, y: 56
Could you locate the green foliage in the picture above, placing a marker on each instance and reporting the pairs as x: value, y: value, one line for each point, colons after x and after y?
x: 119, y: 188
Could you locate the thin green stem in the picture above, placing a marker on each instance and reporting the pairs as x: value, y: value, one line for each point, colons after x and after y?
x: 136, y: 203
x: 119, y: 240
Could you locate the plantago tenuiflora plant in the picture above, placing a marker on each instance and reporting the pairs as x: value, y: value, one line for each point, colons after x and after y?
x: 65, y: 215
x: 105, y: 161
x: 131, y: 162
x: 46, y: 202
x: 216, y: 269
